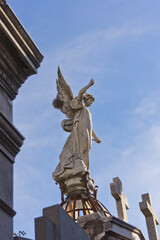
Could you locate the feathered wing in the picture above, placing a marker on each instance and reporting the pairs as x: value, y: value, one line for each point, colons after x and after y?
x: 64, y: 96
x: 64, y: 90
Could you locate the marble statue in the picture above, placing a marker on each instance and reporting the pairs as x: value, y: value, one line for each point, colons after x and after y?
x: 74, y: 158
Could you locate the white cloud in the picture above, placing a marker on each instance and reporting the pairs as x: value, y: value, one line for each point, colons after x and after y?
x: 149, y: 105
x: 79, y: 54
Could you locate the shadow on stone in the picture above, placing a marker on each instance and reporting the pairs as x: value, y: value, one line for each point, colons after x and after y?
x: 56, y: 224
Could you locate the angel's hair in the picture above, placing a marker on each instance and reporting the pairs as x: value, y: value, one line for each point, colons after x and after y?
x: 87, y: 96
x: 57, y: 103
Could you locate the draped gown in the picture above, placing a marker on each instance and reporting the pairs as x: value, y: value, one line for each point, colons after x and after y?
x: 78, y: 144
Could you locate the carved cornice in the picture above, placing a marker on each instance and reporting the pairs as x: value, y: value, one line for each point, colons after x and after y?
x: 19, y: 56
x: 2, y: 2
x: 114, y: 226
x: 10, y: 138
x: 7, y: 81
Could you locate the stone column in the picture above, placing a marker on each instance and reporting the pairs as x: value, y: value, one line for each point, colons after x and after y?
x: 151, y: 218
x: 121, y: 199
x: 19, y: 58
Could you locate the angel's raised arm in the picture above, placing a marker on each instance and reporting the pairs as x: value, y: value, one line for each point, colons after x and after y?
x: 83, y: 90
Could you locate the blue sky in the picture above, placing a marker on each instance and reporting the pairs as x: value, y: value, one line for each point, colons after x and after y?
x: 117, y: 43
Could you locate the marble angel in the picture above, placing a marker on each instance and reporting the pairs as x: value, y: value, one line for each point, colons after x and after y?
x: 74, y: 158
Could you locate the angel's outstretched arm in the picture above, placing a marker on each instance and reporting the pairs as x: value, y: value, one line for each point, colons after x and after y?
x: 83, y: 90
x: 95, y: 138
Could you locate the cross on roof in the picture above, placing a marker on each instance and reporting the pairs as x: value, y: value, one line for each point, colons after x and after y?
x: 121, y: 199
x: 151, y: 218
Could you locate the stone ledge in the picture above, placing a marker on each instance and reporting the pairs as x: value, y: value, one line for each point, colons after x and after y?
x: 110, y: 228
x: 19, y: 56
x: 7, y: 208
x: 22, y: 32
x: 2, y: 2
x: 20, y: 35
x: 10, y: 138
x: 116, y: 226
x: 21, y: 238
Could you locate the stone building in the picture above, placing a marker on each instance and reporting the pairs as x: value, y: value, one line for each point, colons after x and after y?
x: 19, y: 58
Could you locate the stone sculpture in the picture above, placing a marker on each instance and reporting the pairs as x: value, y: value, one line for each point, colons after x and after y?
x: 74, y: 158
x: 121, y: 200
x: 151, y: 218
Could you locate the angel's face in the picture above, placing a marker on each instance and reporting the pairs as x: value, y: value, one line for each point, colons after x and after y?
x: 89, y: 101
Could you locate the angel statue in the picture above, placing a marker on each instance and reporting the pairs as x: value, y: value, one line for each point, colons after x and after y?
x: 74, y: 158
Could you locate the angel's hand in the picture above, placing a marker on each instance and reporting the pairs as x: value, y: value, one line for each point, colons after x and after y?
x: 83, y: 90
x: 97, y: 140
x: 91, y: 82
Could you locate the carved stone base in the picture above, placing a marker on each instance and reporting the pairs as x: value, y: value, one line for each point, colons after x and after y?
x: 79, y: 183
x: 74, y: 179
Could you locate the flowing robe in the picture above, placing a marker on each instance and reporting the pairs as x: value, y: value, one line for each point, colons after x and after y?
x: 77, y: 147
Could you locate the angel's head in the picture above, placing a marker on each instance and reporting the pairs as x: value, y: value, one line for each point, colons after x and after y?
x: 57, y: 103
x: 88, y: 99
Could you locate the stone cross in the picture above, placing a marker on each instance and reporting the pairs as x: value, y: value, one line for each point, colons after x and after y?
x: 121, y: 199
x: 151, y: 218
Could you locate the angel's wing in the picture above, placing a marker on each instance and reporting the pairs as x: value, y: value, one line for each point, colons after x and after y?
x: 64, y: 90
x: 64, y: 95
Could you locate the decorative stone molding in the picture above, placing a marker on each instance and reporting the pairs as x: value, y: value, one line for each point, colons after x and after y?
x: 7, y: 208
x: 108, y: 228
x: 21, y: 238
x: 2, y: 2
x: 10, y: 138
x: 19, y: 56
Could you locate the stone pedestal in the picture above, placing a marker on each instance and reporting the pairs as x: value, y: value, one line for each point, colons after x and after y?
x: 110, y: 228
x: 19, y: 58
x: 56, y: 224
